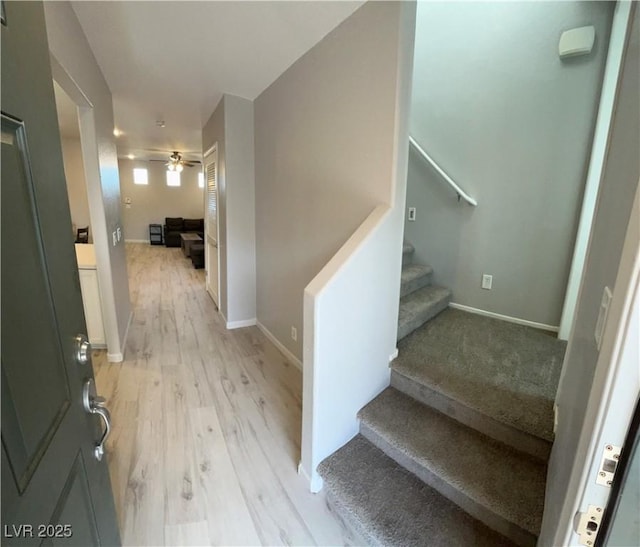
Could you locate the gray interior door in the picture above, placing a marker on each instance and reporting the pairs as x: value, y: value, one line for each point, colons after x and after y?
x: 54, y: 488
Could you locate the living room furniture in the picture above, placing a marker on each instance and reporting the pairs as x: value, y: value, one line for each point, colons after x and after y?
x: 197, y: 255
x: 82, y: 235
x: 174, y: 226
x: 155, y: 234
x: 90, y: 289
x: 187, y: 241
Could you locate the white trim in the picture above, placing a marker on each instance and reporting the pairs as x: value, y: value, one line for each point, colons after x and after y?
x: 136, y: 241
x: 614, y: 390
x: 613, y: 67
x: 315, y: 483
x: 507, y: 318
x: 115, y: 357
x: 393, y: 355
x: 240, y: 324
x: 290, y: 356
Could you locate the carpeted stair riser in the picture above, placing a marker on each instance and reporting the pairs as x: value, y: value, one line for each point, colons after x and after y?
x: 420, y: 306
x: 463, y: 465
x: 536, y: 447
x: 389, y: 506
x: 414, y: 277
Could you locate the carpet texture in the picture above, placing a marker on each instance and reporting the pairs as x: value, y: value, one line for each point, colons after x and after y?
x: 414, y: 277
x: 420, y: 306
x: 508, y: 372
x: 494, y: 483
x: 389, y: 506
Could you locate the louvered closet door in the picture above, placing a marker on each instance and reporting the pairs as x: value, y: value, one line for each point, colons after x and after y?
x: 211, y: 225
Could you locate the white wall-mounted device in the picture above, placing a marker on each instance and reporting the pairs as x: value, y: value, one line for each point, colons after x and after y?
x: 577, y: 41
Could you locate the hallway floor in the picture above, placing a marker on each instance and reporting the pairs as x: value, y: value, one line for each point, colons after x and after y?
x: 206, y: 423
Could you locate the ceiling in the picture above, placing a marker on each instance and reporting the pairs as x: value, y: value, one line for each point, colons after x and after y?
x: 172, y: 61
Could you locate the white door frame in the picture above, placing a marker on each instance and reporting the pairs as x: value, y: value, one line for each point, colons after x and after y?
x: 212, y: 153
x: 615, y: 388
x: 620, y: 28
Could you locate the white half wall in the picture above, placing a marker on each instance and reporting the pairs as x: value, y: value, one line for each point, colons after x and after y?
x: 351, y: 305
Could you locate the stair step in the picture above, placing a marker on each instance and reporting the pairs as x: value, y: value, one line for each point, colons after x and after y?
x: 407, y: 253
x: 492, y: 482
x: 414, y: 277
x: 420, y: 306
x: 389, y: 506
x: 497, y: 377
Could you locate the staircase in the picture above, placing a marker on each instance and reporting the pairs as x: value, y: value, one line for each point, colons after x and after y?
x: 419, y: 299
x: 454, y: 451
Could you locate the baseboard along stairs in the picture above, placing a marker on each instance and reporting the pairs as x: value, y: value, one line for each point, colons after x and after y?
x: 454, y: 451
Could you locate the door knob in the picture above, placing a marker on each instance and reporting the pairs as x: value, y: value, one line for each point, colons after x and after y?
x: 82, y: 349
x: 94, y: 404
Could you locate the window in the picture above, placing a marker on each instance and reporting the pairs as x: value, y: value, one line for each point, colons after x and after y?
x: 173, y: 178
x: 200, y: 180
x: 140, y: 176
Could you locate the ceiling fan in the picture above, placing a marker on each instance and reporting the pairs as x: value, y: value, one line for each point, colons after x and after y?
x: 176, y: 163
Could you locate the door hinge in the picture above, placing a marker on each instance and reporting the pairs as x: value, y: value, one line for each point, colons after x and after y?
x: 588, y: 525
x: 608, y: 465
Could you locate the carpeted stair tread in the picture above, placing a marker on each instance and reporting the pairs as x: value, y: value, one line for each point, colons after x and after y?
x: 506, y: 371
x: 420, y: 306
x: 494, y: 483
x: 414, y: 277
x: 389, y: 506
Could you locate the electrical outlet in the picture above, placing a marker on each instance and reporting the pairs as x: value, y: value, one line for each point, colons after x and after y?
x: 119, y: 231
x: 487, y: 281
x: 294, y: 334
x: 115, y: 238
x: 412, y: 213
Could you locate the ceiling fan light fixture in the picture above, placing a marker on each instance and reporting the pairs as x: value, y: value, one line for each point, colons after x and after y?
x: 179, y: 167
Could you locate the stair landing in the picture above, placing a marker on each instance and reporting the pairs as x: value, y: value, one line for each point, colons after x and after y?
x: 470, y: 363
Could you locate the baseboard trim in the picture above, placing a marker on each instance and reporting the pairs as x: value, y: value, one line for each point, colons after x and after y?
x: 316, y: 484
x: 393, y: 355
x: 507, y: 318
x: 290, y: 356
x: 136, y: 241
x: 115, y: 357
x: 240, y: 324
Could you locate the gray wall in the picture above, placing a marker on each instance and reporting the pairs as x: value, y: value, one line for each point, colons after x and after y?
x: 75, y: 59
x: 76, y: 184
x: 231, y: 127
x: 512, y: 124
x: 613, y: 209
x: 324, y: 158
x: 150, y: 204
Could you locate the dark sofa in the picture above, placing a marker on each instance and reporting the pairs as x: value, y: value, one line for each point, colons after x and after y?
x: 174, y: 226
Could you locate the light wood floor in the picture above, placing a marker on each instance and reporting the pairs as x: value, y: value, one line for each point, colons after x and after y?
x: 206, y: 423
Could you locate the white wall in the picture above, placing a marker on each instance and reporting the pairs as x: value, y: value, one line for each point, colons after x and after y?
x: 231, y: 128
x: 151, y: 203
x: 512, y: 124
x: 74, y: 66
x: 76, y: 184
x: 613, y: 208
x: 324, y: 144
